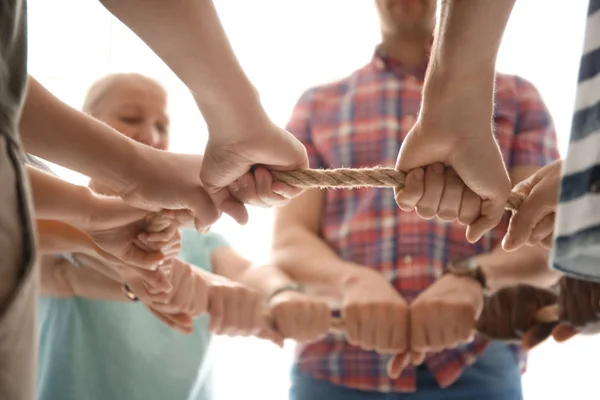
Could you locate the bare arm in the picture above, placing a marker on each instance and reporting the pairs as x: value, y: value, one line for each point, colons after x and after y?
x: 58, y: 133
x: 263, y: 278
x: 299, y: 250
x: 528, y: 265
x: 62, y: 279
x: 56, y: 199
x: 188, y: 36
x: 59, y: 237
x: 467, y: 40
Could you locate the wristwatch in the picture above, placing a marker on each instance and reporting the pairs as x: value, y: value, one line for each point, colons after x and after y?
x: 469, y: 268
x: 294, y: 287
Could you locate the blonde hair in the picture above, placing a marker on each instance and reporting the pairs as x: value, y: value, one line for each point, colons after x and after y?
x: 102, y: 86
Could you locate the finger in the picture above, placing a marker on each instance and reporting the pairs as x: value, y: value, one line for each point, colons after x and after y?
x: 249, y: 313
x: 257, y: 318
x: 449, y: 208
x: 585, y: 302
x: 286, y: 191
x: 144, y: 259
x: 272, y: 335
x: 495, y: 320
x: 216, y: 309
x: 537, y: 335
x: 595, y: 299
x: 491, y: 214
x: 543, y: 229
x: 564, y: 332
x: 179, y: 322
x: 198, y: 296
x: 397, y: 364
x: 245, y: 190
x: 231, y: 316
x: 548, y: 241
x: 203, y: 208
x: 172, y: 250
x: 470, y: 207
x: 434, y: 331
x: 418, y: 339
x: 523, y: 315
x: 264, y: 182
x: 324, y: 321
x: 417, y: 358
x: 400, y: 330
x: 368, y: 323
x: 152, y: 279
x: 351, y: 320
x: 182, y: 217
x: 428, y: 206
x: 522, y: 222
x: 303, y: 321
x: 285, y: 321
x: 382, y: 333
x: 165, y: 235
x: 414, y: 187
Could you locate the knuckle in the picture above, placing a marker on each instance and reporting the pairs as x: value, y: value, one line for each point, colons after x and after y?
x: 426, y: 212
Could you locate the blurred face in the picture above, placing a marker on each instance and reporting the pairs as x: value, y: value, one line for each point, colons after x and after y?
x: 407, y: 17
x: 136, y: 107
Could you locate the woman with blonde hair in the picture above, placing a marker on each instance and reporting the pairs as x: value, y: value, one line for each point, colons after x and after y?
x: 96, y: 343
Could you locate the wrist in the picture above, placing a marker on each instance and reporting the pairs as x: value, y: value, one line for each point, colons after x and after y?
x: 469, y: 269
x: 127, y: 158
x: 233, y: 114
x: 445, y: 86
x: 353, y: 275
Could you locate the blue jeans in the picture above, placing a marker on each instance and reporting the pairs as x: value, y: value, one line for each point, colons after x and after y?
x: 495, y: 376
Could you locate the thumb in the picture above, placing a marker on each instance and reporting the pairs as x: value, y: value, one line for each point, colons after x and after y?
x: 272, y: 335
x: 216, y: 177
x: 409, y: 159
x: 537, y: 334
x: 203, y: 208
x: 564, y: 332
x: 397, y: 364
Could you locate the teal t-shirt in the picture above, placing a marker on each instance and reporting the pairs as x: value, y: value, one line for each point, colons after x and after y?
x: 106, y: 350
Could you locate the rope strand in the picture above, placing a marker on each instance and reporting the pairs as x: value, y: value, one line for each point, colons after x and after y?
x: 351, y: 178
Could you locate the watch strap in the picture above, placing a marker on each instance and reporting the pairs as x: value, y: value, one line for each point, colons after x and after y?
x: 293, y: 287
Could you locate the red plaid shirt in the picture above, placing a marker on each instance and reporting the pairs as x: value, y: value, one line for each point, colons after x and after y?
x: 360, y: 121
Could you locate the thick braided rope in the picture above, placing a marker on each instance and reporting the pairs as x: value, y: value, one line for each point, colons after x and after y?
x: 349, y: 178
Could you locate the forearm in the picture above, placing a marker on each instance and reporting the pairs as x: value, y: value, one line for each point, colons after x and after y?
x: 59, y: 237
x: 226, y: 262
x: 59, y: 278
x: 468, y: 36
x: 188, y: 36
x: 58, y: 133
x: 307, y: 259
x: 466, y: 44
x: 56, y: 199
x: 528, y: 265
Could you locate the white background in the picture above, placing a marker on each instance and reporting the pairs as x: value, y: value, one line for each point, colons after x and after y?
x: 286, y: 46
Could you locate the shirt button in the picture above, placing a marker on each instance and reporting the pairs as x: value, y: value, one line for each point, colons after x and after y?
x: 408, y: 259
x: 595, y: 187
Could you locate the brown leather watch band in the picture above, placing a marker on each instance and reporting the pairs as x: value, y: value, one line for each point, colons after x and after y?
x: 469, y: 268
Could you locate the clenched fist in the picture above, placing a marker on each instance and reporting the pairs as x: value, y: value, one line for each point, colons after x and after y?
x: 299, y: 317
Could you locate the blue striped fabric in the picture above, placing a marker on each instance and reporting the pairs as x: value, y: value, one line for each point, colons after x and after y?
x: 577, y: 232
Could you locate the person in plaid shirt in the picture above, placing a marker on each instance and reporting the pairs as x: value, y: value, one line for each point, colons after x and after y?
x: 389, y: 264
